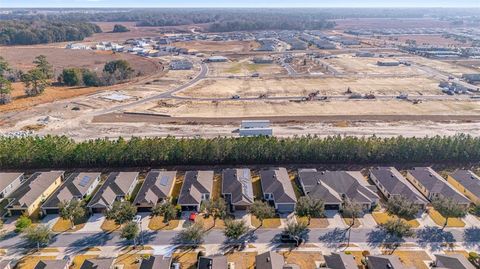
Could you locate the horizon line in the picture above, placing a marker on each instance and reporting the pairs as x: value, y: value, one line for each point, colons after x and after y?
x: 229, y: 7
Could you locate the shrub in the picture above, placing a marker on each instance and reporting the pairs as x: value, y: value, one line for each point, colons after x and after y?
x: 22, y: 223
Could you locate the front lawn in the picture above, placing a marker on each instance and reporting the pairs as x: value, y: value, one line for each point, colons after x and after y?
x: 440, y: 220
x: 314, y: 222
x: 79, y: 259
x: 109, y: 226
x: 30, y: 261
x: 383, y: 217
x: 348, y: 222
x: 187, y: 259
x: 304, y: 259
x: 413, y: 259
x: 156, y: 223
x: 267, y: 223
x: 208, y: 222
x: 242, y: 260
x: 63, y: 225
x: 129, y: 260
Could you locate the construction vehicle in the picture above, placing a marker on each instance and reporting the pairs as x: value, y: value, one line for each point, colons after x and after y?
x: 402, y: 96
x: 355, y: 96
x: 369, y: 96
x: 262, y: 96
x: 311, y: 96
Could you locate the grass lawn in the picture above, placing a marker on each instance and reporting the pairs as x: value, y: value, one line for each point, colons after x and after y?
x: 177, y: 187
x: 383, y: 217
x: 109, y: 226
x: 217, y: 186
x: 267, y: 223
x: 296, y: 188
x: 358, y: 258
x: 242, y: 260
x: 257, y: 186
x: 79, y: 259
x: 129, y: 260
x: 348, y: 222
x: 415, y: 259
x: 304, y: 259
x: 208, y: 222
x: 156, y: 223
x: 461, y: 252
x: 29, y: 261
x: 187, y: 259
x: 440, y: 220
x: 314, y: 222
x: 64, y: 226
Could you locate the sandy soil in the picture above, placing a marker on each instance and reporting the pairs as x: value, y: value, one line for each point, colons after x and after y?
x: 390, y: 23
x: 253, y: 87
x: 444, y: 66
x: 427, y: 40
x: 244, y: 67
x: 368, y: 65
x: 218, y: 46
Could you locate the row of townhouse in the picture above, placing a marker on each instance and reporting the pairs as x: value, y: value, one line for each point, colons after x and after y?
x: 45, y: 190
x: 266, y: 260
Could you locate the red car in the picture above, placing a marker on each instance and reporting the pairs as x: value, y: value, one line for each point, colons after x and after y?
x: 192, y: 217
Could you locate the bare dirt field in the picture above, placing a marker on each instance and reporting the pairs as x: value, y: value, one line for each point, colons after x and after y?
x: 244, y: 67
x: 368, y: 65
x: 444, y: 66
x: 135, y: 32
x: 307, y: 65
x: 435, y: 40
x: 390, y: 23
x: 254, y: 87
x: 218, y: 46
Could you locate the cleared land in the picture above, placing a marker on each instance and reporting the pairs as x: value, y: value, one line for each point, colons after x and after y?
x: 218, y: 46
x: 435, y: 40
x: 368, y: 65
x: 243, y: 67
x: 442, y: 66
x: 360, y: 23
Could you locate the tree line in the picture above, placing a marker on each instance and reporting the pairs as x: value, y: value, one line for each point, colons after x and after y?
x: 35, y: 31
x: 61, y: 151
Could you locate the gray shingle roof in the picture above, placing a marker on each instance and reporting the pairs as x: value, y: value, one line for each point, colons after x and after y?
x: 277, y: 181
x: 100, y: 263
x: 434, y: 183
x: 117, y: 184
x: 7, y: 178
x: 469, y: 180
x: 269, y: 260
x: 384, y: 262
x: 396, y: 184
x: 453, y: 261
x: 212, y: 262
x: 156, y: 262
x: 51, y: 264
x: 331, y: 185
x: 238, y: 182
x: 340, y: 261
x: 157, y: 185
x: 195, y: 184
x: 33, y: 188
x: 76, y: 185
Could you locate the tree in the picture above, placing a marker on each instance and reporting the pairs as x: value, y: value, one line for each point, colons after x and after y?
x: 297, y: 231
x: 166, y: 209
x: 5, y: 90
x: 262, y: 210
x: 475, y: 210
x: 448, y: 208
x: 310, y: 208
x: 130, y: 232
x: 192, y: 235
x: 215, y: 208
x: 23, y: 222
x: 71, y: 77
x: 397, y: 228
x: 4, y: 66
x: 117, y: 70
x: 118, y: 28
x: 44, y: 66
x: 235, y: 229
x: 121, y: 212
x: 90, y: 78
x: 73, y: 210
x: 35, y: 82
x: 351, y: 210
x: 38, y: 235
x: 402, y: 207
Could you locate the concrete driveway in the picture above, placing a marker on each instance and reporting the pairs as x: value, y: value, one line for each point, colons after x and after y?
x: 50, y: 220
x: 94, y: 223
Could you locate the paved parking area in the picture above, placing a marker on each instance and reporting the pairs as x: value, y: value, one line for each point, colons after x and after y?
x: 94, y: 223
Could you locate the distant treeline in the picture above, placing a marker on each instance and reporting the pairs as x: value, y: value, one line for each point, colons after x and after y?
x: 61, y: 152
x: 28, y: 32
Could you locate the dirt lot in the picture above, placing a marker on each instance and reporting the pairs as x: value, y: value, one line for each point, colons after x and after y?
x: 350, y: 64
x: 253, y: 87
x: 135, y: 32
x: 435, y: 40
x: 244, y: 67
x: 444, y: 66
x: 390, y: 23
x: 218, y: 46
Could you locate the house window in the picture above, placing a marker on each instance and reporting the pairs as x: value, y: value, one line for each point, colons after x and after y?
x: 205, y: 196
x: 268, y: 196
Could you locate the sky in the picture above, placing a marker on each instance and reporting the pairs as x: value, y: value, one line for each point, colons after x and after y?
x: 239, y: 3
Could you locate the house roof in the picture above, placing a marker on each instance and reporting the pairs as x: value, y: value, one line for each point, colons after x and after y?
x: 195, y: 184
x: 51, y: 264
x: 453, y: 261
x: 330, y: 186
x: 117, y: 184
x: 469, y: 180
x: 213, y: 262
x: 384, y: 262
x: 434, y: 183
x: 156, y: 262
x: 100, y: 263
x: 340, y: 261
x: 33, y: 188
x: 238, y: 183
x: 7, y: 179
x: 269, y: 260
x: 76, y: 185
x: 157, y: 185
x: 277, y: 182
x: 396, y: 184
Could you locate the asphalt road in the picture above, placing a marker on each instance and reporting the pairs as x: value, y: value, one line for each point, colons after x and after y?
x: 426, y: 236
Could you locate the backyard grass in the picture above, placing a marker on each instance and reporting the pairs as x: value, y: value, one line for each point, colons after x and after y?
x: 358, y: 256
x: 208, y: 222
x: 348, y: 222
x: 63, y: 225
x: 304, y: 259
x: 257, y: 186
x: 383, y: 217
x: 177, y: 187
x: 267, y: 223
x: 314, y: 222
x: 156, y: 223
x: 415, y: 259
x: 30, y: 261
x: 129, y: 260
x: 440, y: 220
x: 187, y: 259
x: 242, y: 260
x: 79, y: 259
x: 296, y: 188
x: 109, y: 226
